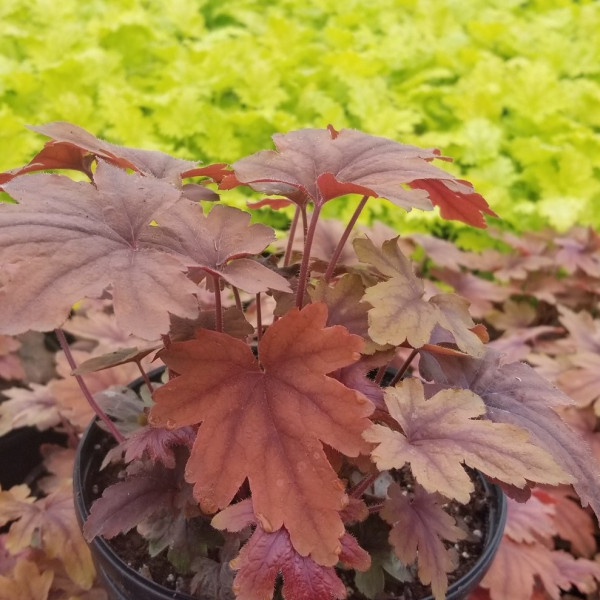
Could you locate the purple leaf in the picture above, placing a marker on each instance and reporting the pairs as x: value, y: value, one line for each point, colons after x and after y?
x: 81, y: 238
x: 313, y: 164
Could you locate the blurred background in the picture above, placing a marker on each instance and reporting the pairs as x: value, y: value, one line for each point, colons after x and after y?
x: 509, y: 88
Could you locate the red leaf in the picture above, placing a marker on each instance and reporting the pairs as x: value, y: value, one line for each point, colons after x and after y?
x: 149, y: 162
x: 216, y: 172
x: 323, y: 164
x: 240, y: 515
x: 572, y: 523
x: 273, y: 203
x: 260, y: 408
x: 419, y: 527
x: 157, y: 444
x: 531, y: 521
x: 457, y: 200
x: 267, y: 554
x: 352, y: 555
x: 54, y: 155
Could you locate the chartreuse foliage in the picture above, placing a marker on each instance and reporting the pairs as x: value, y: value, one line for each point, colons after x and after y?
x: 509, y: 88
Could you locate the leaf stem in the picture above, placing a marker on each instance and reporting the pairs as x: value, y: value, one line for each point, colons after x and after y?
x: 380, y: 373
x: 375, y: 508
x: 62, y: 340
x: 304, y: 222
x: 338, y: 250
x: 238, y: 300
x: 145, y: 376
x: 258, y: 318
x: 218, y: 304
x: 359, y: 489
x: 404, y: 367
x: 292, y: 232
x: 303, y: 277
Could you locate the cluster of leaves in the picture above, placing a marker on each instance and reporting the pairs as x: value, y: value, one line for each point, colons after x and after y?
x: 43, y: 553
x: 508, y: 87
x: 268, y: 429
x: 538, y: 294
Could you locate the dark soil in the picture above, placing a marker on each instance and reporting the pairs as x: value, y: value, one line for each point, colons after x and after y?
x: 472, y: 517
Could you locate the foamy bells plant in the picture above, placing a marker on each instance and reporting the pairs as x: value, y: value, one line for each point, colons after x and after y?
x: 273, y: 426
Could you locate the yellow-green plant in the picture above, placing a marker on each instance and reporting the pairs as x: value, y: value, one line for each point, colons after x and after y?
x: 509, y: 88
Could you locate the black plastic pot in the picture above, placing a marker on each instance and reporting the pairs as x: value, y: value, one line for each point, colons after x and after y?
x: 119, y: 580
x: 124, y: 583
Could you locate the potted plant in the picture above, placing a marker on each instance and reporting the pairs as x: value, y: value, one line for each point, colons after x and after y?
x: 315, y: 398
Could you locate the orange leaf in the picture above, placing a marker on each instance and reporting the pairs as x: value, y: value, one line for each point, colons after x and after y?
x: 51, y: 524
x: 267, y: 420
x: 26, y: 582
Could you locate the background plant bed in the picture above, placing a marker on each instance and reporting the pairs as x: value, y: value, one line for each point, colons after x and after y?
x: 126, y: 556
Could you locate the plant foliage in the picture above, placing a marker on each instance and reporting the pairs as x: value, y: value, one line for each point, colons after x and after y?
x: 272, y: 435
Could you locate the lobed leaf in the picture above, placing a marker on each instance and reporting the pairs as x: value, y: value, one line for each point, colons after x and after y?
x: 531, y: 521
x: 124, y: 505
x: 219, y: 244
x: 456, y: 199
x: 103, y: 235
x: 517, y: 567
x: 441, y: 433
x: 26, y: 582
x: 157, y: 444
x: 572, y: 522
x: 582, y: 382
x: 319, y: 165
x: 515, y: 394
x: 49, y: 523
x: 22, y: 407
x: 419, y: 528
x: 73, y: 147
x: 273, y: 416
x: 399, y: 311
x: 266, y: 554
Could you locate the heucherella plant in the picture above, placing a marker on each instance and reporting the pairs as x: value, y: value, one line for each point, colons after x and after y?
x: 274, y: 425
